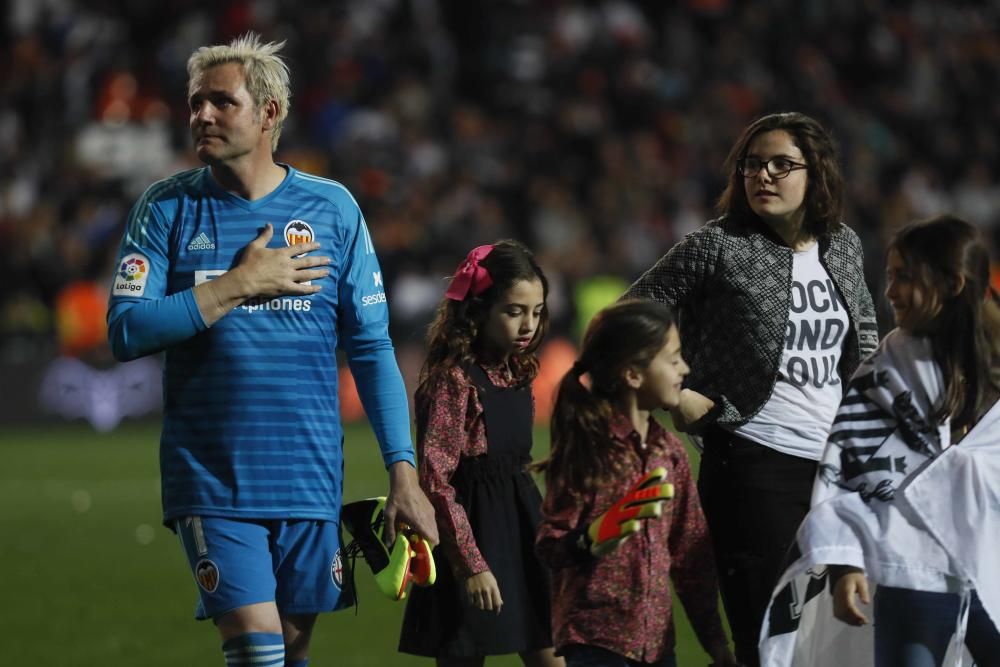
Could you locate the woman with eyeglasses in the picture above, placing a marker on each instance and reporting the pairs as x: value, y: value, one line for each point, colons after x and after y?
x: 775, y: 317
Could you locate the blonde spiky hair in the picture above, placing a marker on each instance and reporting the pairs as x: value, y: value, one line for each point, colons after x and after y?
x: 265, y: 71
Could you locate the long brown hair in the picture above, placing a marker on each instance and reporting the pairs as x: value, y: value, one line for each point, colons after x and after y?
x: 628, y: 333
x: 947, y: 255
x: 824, y: 200
x: 453, y: 338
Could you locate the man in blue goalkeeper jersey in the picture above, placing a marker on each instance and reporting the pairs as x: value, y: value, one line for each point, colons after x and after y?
x: 249, y: 274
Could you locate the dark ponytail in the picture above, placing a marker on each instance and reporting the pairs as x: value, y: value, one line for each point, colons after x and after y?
x: 629, y: 333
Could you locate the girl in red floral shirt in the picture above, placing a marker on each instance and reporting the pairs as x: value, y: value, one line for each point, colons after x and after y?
x: 474, y: 427
x: 621, y: 513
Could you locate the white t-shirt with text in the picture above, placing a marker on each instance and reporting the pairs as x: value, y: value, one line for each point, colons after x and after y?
x: 797, y: 417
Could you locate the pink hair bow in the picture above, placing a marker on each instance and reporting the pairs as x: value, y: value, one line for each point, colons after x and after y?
x: 470, y: 277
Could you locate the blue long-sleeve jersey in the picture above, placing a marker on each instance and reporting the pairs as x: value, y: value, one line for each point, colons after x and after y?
x: 251, y: 415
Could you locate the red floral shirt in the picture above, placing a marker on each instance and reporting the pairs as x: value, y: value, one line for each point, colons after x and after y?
x: 454, y: 428
x: 621, y: 601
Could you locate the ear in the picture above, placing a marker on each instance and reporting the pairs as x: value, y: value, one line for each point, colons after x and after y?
x: 959, y: 284
x: 269, y: 115
x: 633, y: 377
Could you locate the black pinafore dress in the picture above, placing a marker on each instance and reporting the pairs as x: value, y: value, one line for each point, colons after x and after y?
x: 504, y: 508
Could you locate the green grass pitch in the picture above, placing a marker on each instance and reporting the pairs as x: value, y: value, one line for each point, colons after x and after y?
x: 91, y: 577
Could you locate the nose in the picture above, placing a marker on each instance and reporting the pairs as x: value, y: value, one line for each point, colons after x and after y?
x: 764, y: 175
x: 890, y: 289
x: 202, y: 115
x: 529, y: 322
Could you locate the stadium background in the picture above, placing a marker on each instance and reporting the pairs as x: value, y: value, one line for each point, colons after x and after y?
x: 594, y: 131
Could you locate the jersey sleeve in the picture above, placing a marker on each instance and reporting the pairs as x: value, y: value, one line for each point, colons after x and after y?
x: 142, y: 317
x: 363, y: 317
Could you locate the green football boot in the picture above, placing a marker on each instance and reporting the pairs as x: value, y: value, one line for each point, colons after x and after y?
x: 409, y: 560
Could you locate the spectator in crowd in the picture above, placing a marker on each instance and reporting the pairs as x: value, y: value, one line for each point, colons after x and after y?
x: 437, y: 114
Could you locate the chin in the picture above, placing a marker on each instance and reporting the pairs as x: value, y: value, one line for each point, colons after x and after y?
x: 210, y: 159
x: 204, y: 156
x: 770, y: 218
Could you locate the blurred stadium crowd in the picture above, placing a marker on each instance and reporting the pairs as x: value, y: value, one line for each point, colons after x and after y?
x: 594, y: 131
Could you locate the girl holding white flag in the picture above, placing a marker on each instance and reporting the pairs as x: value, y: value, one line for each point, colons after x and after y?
x: 906, y: 494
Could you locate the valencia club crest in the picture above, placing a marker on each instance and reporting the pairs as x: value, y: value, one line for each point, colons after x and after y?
x: 298, y: 231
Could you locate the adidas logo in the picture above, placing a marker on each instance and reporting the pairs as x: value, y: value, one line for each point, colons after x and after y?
x: 201, y: 242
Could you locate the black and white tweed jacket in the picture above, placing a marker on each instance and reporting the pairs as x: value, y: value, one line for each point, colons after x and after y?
x: 732, y: 283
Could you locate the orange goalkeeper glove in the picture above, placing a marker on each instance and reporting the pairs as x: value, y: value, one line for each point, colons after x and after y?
x: 643, y: 501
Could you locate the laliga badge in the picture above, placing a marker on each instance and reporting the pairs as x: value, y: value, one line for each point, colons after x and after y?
x: 130, y: 279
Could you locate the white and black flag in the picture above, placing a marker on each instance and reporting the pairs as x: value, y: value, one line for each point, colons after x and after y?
x: 894, y: 499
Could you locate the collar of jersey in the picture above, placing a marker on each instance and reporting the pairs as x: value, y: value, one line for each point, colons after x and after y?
x: 244, y: 203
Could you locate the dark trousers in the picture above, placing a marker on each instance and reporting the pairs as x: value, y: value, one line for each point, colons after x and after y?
x: 914, y: 628
x: 754, y: 499
x: 582, y: 655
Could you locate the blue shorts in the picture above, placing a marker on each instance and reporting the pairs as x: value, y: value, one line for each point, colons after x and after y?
x: 297, y: 564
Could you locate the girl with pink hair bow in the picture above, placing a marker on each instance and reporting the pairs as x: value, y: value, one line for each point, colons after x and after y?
x: 474, y: 413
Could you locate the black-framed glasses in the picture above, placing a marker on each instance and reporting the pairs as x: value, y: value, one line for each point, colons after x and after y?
x: 777, y: 167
